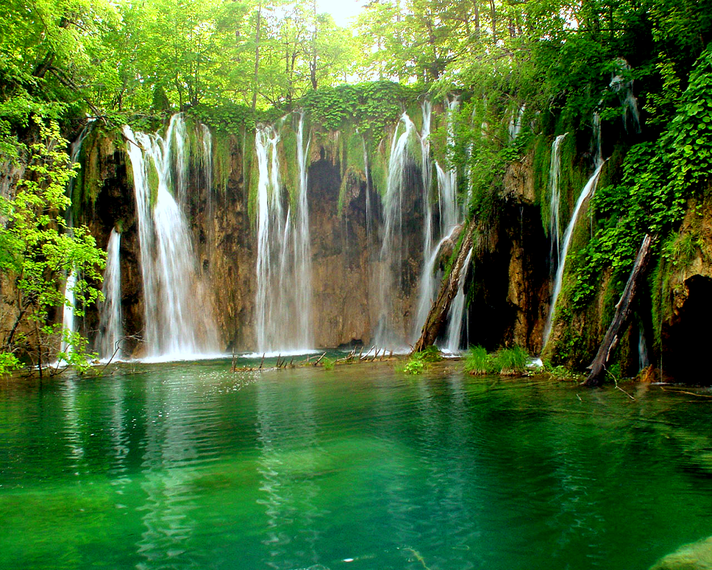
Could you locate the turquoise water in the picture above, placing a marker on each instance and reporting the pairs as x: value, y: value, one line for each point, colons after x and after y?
x: 192, y: 466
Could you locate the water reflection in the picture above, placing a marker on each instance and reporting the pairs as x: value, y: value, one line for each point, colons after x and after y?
x: 288, y: 466
x: 168, y: 471
x: 120, y: 440
x: 72, y: 430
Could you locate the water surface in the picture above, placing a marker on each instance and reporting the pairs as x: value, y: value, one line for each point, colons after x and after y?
x: 192, y: 466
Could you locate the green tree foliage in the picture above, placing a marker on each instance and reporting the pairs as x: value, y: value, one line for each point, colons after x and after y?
x: 658, y: 178
x: 39, y: 251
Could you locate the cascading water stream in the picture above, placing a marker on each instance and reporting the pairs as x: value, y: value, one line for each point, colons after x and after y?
x: 302, y: 257
x: 426, y: 170
x: 206, y: 163
x: 178, y: 321
x: 447, y: 179
x: 624, y: 88
x: 428, y: 284
x: 585, y: 193
x: 68, y: 321
x: 449, y: 218
x: 110, y: 325
x: 555, y: 202
x: 515, y: 127
x: 68, y: 325
x: 283, y: 301
x: 390, y: 258
x: 457, y: 311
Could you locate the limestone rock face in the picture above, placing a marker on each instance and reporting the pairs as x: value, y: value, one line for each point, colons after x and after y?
x: 509, y: 281
x: 519, y: 181
x: 685, y: 296
x: 345, y: 245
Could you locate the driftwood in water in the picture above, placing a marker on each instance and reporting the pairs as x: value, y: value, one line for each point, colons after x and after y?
x: 441, y: 307
x: 620, y: 319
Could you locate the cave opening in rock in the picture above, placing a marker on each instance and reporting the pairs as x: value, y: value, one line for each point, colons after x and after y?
x: 688, y: 339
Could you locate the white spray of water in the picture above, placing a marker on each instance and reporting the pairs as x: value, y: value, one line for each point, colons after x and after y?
x: 449, y: 218
x: 457, y: 311
x: 68, y: 325
x: 68, y: 319
x: 623, y: 85
x: 555, y: 201
x: 110, y: 325
x: 283, y: 302
x: 391, y: 254
x: 585, y: 193
x: 178, y: 320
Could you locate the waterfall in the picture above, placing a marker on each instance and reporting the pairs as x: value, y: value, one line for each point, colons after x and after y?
x: 585, y: 193
x: 176, y: 138
x: 391, y: 258
x: 283, y: 302
x: 643, y: 357
x: 177, y: 318
x: 110, y: 327
x: 426, y: 171
x: 449, y: 217
x: 302, y: 254
x: 447, y: 180
x: 207, y: 167
x: 68, y: 322
x: 515, y: 127
x: 555, y: 201
x: 629, y: 102
x: 428, y: 281
x: 457, y: 310
x: 429, y: 284
x: 68, y: 325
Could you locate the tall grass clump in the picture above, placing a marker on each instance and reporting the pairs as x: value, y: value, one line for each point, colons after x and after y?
x: 477, y: 361
x: 506, y: 361
x: 511, y: 361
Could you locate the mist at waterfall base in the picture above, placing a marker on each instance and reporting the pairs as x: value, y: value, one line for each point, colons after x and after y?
x: 192, y: 466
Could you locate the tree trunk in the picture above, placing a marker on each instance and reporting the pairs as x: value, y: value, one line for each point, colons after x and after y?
x: 476, y: 7
x: 493, y: 15
x: 312, y: 65
x: 437, y: 316
x: 257, y: 57
x: 621, y: 317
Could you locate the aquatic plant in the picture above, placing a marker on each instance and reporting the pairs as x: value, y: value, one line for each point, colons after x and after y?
x: 477, y: 361
x: 510, y: 361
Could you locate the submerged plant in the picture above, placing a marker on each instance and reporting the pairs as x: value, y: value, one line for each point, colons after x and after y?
x: 413, y: 366
x: 418, y: 361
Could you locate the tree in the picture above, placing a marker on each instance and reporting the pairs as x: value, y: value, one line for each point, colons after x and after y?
x: 38, y: 252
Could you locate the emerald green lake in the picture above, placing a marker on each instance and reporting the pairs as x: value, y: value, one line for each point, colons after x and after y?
x: 192, y: 466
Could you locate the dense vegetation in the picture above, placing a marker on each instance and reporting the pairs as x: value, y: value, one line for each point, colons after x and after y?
x: 545, y: 65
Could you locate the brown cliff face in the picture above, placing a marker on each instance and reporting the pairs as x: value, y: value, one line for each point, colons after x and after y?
x: 223, y: 237
x: 345, y: 245
x: 509, y: 284
x: 683, y: 285
x: 509, y: 293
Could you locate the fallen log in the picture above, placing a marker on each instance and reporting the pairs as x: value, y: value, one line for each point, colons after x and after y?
x: 441, y: 307
x: 624, y: 309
